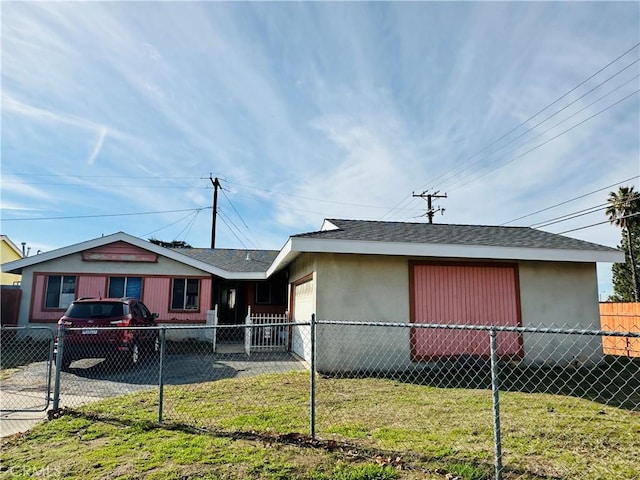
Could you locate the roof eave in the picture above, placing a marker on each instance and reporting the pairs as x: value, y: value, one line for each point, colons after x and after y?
x: 315, y: 245
x: 17, y: 265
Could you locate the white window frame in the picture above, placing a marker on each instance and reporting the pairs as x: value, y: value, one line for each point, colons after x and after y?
x: 64, y: 298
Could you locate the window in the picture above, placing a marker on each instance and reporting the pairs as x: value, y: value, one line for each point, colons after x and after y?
x: 272, y: 292
x: 263, y: 292
x: 184, y: 294
x: 61, y: 291
x: 125, y: 287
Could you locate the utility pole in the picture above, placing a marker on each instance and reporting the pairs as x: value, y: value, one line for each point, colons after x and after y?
x: 430, y: 209
x: 216, y: 185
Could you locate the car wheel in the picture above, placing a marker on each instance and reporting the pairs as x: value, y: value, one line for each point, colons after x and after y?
x: 66, y: 363
x: 134, y: 354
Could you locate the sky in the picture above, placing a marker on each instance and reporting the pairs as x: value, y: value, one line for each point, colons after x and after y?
x: 114, y: 116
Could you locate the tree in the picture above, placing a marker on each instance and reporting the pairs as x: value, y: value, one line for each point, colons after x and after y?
x: 624, y: 212
x: 172, y: 244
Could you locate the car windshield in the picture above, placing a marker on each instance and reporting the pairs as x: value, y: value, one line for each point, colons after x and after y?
x: 95, y: 310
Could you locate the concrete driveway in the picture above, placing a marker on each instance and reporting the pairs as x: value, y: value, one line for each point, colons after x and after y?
x: 24, y: 399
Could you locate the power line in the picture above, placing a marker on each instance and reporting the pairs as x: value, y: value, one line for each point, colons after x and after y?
x: 234, y: 208
x: 236, y: 227
x: 75, y: 217
x: 188, y: 226
x: 234, y: 233
x: 241, y: 219
x: 102, y: 185
x: 322, y: 200
x: 67, y: 175
x: 547, y: 141
x: 403, y: 201
x: 570, y: 216
x: 540, y: 111
x: 548, y: 129
x: 570, y: 200
x: 172, y: 223
x: 599, y: 223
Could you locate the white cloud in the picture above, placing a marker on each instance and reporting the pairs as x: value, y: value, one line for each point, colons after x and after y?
x: 355, y: 105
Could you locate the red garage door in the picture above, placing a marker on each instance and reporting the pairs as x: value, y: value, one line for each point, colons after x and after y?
x: 463, y: 295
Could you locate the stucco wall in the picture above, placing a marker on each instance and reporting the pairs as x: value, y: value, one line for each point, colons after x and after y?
x: 362, y: 288
x: 560, y: 295
x: 376, y: 289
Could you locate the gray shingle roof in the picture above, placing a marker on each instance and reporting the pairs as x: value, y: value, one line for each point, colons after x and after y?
x: 476, y: 235
x: 232, y: 260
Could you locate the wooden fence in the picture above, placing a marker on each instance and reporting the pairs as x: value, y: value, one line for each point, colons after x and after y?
x: 620, y: 317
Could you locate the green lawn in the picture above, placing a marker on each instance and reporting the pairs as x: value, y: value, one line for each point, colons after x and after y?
x: 366, y: 429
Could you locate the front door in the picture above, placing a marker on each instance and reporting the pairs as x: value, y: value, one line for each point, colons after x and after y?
x: 232, y: 307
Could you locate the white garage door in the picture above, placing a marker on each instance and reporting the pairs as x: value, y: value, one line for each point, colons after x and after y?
x: 303, y: 308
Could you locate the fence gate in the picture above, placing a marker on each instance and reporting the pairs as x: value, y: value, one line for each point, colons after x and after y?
x: 26, y: 366
x: 266, y: 332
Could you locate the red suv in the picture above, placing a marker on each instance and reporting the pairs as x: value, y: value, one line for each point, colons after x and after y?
x: 84, y: 337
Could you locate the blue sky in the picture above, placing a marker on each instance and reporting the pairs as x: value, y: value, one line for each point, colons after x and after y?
x: 311, y: 110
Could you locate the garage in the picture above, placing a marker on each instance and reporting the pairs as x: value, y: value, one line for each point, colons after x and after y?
x: 303, y: 307
x: 463, y: 294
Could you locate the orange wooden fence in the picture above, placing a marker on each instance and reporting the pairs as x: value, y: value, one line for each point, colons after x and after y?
x: 620, y: 317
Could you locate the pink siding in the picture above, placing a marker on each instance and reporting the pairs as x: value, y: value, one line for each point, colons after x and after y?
x: 157, y: 295
x: 91, y: 286
x: 38, y: 313
x: 468, y: 295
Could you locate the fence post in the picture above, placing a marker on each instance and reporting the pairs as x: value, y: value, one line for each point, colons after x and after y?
x: 163, y: 338
x: 59, y: 354
x: 495, y: 387
x: 313, y: 375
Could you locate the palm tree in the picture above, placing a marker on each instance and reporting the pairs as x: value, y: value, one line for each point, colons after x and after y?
x: 622, y: 211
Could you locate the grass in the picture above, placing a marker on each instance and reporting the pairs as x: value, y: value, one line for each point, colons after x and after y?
x: 366, y: 429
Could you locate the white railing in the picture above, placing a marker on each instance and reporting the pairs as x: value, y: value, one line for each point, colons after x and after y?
x: 266, y: 332
x: 212, y: 320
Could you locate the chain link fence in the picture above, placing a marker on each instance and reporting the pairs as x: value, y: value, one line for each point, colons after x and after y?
x: 511, y: 402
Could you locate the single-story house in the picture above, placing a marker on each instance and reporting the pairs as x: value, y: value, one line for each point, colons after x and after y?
x: 353, y: 270
x: 181, y: 285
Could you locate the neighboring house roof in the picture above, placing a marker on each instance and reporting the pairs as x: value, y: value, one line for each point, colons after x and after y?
x: 445, y: 241
x: 11, y: 245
